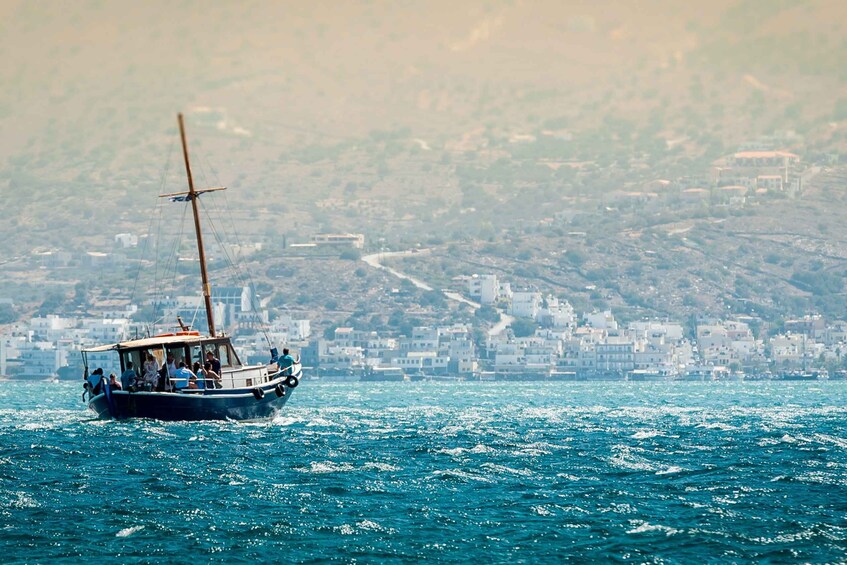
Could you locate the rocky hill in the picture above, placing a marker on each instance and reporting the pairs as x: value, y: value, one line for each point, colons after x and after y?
x: 471, y: 129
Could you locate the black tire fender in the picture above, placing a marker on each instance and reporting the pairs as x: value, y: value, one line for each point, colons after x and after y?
x: 258, y: 393
x: 291, y: 381
x: 279, y: 390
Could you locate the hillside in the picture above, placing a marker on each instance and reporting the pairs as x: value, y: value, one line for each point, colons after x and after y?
x: 435, y: 126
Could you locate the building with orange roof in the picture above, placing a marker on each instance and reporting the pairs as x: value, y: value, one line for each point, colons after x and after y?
x: 695, y: 194
x: 746, y: 167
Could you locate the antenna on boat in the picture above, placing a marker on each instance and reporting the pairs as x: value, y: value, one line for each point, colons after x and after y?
x: 191, y: 196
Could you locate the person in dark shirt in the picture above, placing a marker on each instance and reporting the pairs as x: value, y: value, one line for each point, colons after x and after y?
x: 129, y: 376
x: 214, y: 361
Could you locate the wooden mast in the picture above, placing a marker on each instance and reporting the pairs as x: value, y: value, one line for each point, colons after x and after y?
x: 192, y: 196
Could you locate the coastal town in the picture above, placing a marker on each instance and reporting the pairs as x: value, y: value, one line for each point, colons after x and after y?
x: 511, y: 331
x: 529, y: 336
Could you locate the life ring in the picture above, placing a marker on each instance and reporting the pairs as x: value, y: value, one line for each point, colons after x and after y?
x: 258, y: 393
x: 291, y: 381
x: 279, y: 391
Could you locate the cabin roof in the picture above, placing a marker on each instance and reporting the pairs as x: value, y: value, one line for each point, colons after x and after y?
x: 156, y: 341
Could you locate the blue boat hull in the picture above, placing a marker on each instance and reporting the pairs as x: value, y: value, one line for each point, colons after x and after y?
x: 237, y: 404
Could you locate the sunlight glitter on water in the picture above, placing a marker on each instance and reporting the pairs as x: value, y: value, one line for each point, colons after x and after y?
x: 453, y: 473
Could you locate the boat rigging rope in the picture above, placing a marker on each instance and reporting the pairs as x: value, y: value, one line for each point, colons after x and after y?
x: 170, y: 263
x: 162, y: 181
x: 194, y: 317
x: 238, y: 272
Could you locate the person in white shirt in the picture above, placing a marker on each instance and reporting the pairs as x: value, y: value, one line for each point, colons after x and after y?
x: 172, y: 366
x: 150, y: 376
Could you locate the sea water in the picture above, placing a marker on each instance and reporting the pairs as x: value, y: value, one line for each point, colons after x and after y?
x: 439, y: 472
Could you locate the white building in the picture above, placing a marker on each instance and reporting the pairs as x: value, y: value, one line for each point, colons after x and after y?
x: 726, y: 342
x: 525, y: 304
x: 422, y: 339
x: 50, y: 327
x: 601, y: 320
x: 617, y: 354
x: 355, y: 240
x: 651, y: 330
x: 126, y: 240
x: 296, y: 329
x: 484, y: 288
x: 105, y: 331
x: 557, y: 314
x: 462, y: 356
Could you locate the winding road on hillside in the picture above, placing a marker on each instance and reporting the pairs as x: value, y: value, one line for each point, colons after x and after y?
x: 375, y: 260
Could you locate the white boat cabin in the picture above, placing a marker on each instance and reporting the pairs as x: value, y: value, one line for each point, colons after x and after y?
x: 189, y: 347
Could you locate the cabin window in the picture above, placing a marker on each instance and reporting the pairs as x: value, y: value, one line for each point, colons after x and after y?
x: 225, y: 357
x: 213, y: 347
x: 223, y: 352
x: 135, y: 358
x: 159, y: 354
x: 179, y: 354
x: 197, y: 355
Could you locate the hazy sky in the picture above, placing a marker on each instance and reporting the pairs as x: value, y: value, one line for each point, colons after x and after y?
x: 88, y: 80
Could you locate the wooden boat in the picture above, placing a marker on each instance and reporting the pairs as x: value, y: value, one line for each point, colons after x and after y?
x: 246, y: 392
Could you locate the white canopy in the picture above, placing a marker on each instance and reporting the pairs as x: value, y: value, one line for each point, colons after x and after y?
x: 156, y: 341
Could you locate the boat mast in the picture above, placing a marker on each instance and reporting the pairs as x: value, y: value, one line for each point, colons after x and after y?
x: 192, y: 196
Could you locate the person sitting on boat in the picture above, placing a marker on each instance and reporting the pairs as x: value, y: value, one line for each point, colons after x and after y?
x: 213, y: 380
x: 172, y: 365
x: 201, y: 376
x: 129, y: 376
x: 114, y: 384
x: 93, y: 381
x: 167, y: 373
x: 151, y: 373
x: 181, y: 377
x: 214, y: 361
x: 285, y: 362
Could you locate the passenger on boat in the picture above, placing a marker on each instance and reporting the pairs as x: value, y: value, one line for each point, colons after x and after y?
x: 94, y: 381
x: 114, y: 384
x: 214, y: 361
x: 151, y: 373
x: 285, y: 362
x: 166, y: 374
x: 213, y: 380
x: 129, y: 376
x: 200, y: 380
x: 163, y: 382
x: 172, y: 365
x: 180, y: 380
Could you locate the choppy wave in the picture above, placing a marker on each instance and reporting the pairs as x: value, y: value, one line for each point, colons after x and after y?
x: 459, y: 471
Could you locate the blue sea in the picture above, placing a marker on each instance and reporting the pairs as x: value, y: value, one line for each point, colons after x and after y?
x: 454, y: 473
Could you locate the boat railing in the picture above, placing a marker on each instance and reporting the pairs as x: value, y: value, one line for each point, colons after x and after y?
x: 256, y: 375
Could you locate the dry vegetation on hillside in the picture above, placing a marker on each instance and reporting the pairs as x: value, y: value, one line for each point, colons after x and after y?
x: 466, y: 127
